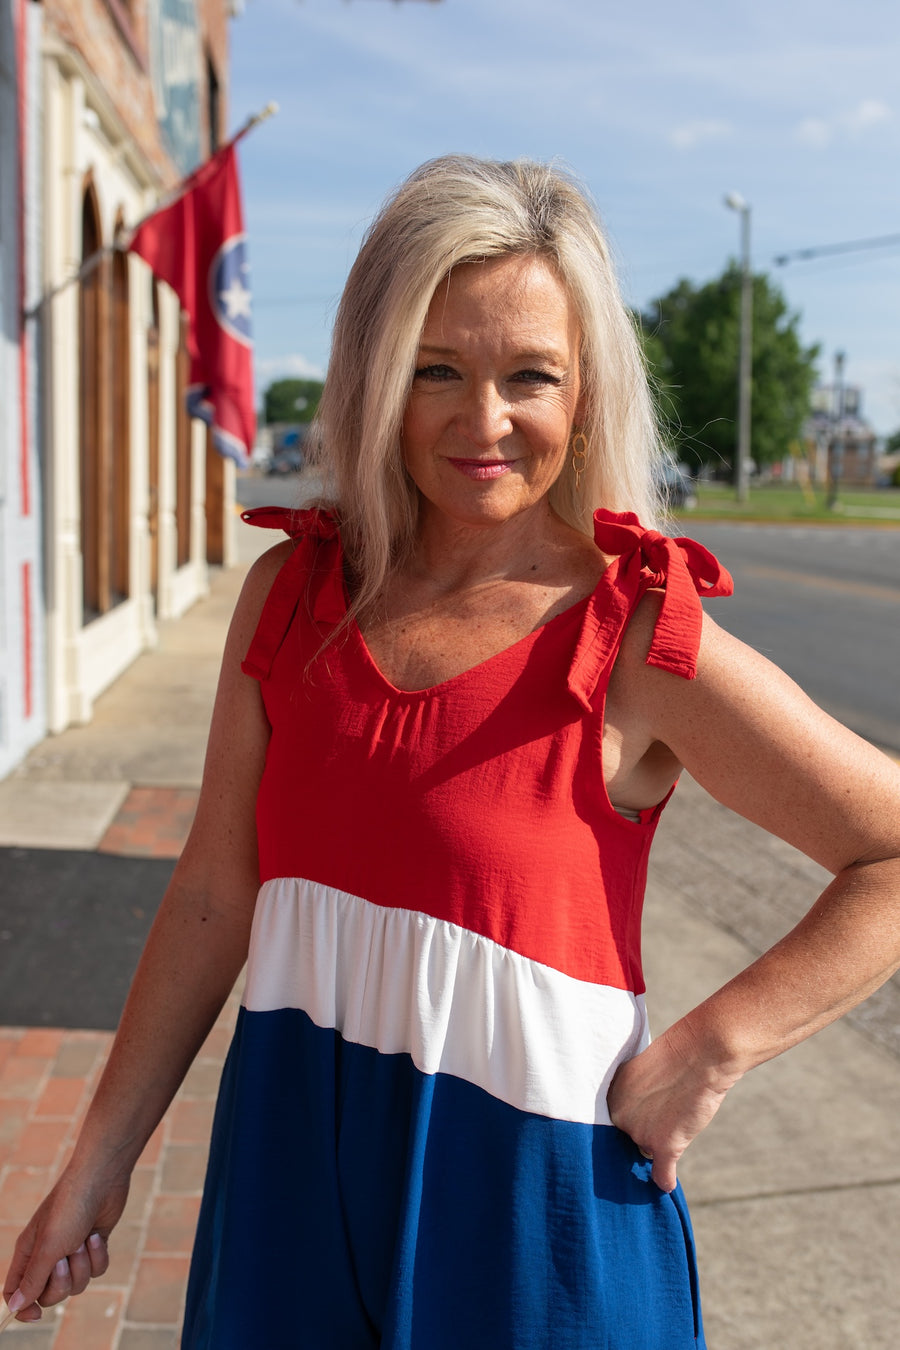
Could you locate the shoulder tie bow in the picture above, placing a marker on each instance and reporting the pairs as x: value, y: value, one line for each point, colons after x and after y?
x: 314, y: 575
x: 644, y: 560
x: 306, y: 523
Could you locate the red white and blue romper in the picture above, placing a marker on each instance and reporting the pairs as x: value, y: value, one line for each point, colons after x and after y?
x: 412, y: 1148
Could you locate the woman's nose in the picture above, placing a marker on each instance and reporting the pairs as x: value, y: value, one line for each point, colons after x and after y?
x: 485, y: 420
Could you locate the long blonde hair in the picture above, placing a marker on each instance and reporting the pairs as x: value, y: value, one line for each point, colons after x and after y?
x: 453, y: 210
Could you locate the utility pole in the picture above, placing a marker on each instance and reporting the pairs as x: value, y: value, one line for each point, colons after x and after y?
x: 736, y: 202
x: 836, y: 444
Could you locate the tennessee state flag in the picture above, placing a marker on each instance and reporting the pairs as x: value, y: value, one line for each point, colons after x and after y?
x: 198, y: 246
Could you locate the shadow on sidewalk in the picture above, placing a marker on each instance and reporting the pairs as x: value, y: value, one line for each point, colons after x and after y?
x: 72, y: 926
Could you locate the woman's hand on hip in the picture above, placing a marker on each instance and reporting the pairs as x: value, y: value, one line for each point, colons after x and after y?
x: 663, y: 1098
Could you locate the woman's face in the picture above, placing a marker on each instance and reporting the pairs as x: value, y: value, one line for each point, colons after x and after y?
x: 495, y: 393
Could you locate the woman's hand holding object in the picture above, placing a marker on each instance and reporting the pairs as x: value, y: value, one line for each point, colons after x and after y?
x: 38, y: 1276
x: 70, y: 1275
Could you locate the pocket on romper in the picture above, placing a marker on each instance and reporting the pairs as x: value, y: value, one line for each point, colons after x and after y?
x: 678, y: 1202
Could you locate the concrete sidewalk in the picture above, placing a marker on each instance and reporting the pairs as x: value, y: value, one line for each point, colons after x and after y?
x: 794, y: 1189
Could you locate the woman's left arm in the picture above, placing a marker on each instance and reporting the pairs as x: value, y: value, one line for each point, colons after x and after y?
x: 749, y: 736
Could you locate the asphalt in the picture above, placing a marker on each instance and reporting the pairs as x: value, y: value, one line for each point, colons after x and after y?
x: 794, y: 1188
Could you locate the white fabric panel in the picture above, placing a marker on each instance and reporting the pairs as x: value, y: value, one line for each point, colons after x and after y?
x: 458, y: 1003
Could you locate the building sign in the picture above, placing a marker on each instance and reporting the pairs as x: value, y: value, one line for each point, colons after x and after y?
x: 177, y: 68
x: 836, y: 400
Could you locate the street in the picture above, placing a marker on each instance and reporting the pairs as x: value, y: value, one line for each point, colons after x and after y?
x: 824, y: 604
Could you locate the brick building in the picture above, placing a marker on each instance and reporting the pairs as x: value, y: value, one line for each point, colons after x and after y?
x: 22, y: 679
x: 114, y: 503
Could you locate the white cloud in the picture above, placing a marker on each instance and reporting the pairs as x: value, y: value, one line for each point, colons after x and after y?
x: 294, y: 366
x: 819, y: 132
x: 869, y: 113
x: 691, y: 134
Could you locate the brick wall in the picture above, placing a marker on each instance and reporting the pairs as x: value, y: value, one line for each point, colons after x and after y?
x: 112, y: 38
x: 213, y: 17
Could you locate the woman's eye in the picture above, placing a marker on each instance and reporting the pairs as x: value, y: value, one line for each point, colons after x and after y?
x: 437, y: 372
x: 536, y: 377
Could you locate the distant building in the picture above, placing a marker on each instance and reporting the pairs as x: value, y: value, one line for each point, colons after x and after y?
x: 112, y: 504
x: 840, y: 442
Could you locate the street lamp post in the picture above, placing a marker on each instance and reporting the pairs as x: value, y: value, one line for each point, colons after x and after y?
x: 836, y: 444
x: 736, y: 202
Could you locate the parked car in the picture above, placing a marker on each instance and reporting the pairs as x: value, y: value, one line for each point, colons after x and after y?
x: 677, y: 483
x: 289, y: 459
x: 286, y: 441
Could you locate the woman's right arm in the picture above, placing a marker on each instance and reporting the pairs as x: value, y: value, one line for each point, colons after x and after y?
x: 195, y: 952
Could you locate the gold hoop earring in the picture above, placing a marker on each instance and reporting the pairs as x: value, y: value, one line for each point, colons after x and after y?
x: 579, y: 448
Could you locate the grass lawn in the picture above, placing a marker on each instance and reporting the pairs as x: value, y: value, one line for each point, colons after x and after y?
x: 788, y: 501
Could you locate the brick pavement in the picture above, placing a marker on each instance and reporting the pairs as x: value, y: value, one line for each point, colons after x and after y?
x: 125, y: 784
x: 46, y: 1080
x: 152, y: 822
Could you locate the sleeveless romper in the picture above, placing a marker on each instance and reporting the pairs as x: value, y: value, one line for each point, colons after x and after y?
x: 412, y: 1148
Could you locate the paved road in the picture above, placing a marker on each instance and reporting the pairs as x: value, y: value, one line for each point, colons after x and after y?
x: 824, y: 604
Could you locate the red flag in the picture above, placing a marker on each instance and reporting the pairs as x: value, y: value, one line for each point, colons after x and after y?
x: 199, y: 247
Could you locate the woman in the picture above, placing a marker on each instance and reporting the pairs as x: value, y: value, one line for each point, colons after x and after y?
x: 459, y: 703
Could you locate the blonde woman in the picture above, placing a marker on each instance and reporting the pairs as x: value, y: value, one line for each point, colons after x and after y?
x: 454, y: 703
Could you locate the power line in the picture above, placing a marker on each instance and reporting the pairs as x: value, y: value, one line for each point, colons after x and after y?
x: 824, y: 250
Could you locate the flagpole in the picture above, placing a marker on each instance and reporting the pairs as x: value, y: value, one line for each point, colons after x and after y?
x: 253, y: 121
x: 182, y: 187
x: 93, y: 260
x: 90, y: 264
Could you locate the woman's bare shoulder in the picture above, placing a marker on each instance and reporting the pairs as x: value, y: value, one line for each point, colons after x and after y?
x: 256, y: 587
x: 266, y: 567
x: 761, y: 746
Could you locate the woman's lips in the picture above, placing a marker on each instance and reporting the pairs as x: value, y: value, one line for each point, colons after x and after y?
x: 482, y: 469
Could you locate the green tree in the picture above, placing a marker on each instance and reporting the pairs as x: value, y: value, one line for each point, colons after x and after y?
x: 292, y: 400
x: 692, y: 342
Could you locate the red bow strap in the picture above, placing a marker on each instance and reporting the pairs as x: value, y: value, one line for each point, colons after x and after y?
x: 308, y: 523
x: 682, y: 566
x: 310, y: 575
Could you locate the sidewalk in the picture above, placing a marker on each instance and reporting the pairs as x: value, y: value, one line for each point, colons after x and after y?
x: 124, y: 787
x: 795, y: 1188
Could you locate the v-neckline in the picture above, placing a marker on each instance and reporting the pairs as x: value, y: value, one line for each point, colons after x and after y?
x: 577, y: 610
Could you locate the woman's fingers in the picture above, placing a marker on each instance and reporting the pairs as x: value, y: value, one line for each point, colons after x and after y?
x: 71, y: 1275
x: 665, y: 1174
x: 99, y: 1255
x: 64, y: 1245
x: 60, y: 1284
x: 664, y: 1170
x: 10, y: 1310
x: 79, y: 1275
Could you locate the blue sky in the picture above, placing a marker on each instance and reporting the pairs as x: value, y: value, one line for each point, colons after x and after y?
x: 660, y: 108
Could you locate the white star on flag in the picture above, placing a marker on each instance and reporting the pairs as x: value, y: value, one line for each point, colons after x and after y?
x: 236, y: 300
